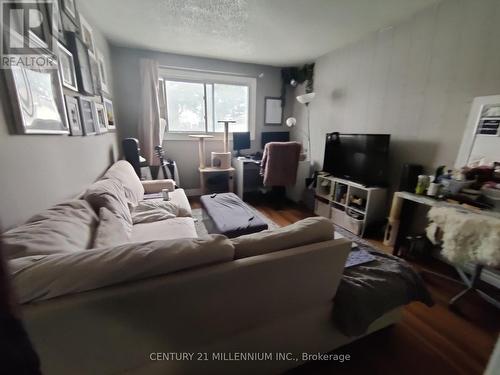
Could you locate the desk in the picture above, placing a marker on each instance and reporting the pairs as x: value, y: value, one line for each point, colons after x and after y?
x: 248, y: 178
x: 204, y: 172
x: 403, y: 204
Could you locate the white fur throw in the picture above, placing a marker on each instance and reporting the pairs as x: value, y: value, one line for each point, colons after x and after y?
x: 467, y: 237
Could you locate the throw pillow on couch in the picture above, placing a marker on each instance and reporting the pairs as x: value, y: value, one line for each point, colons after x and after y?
x: 66, y: 227
x: 109, y: 193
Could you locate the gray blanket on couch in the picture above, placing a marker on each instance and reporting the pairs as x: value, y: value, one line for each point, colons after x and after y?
x: 368, y: 291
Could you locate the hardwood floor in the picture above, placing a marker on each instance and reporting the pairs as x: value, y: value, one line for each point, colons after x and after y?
x: 429, y: 341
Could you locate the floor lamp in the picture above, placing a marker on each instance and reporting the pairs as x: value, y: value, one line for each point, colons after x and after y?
x: 292, y: 121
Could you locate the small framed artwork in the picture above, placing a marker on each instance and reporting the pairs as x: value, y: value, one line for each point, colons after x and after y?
x: 87, y: 115
x: 94, y: 68
x: 102, y: 71
x: 69, y: 8
x: 87, y: 35
x: 37, y: 100
x: 110, y: 113
x: 102, y: 121
x: 74, y: 119
x: 42, y: 35
x: 82, y: 63
x: 54, y: 16
x: 273, y: 111
x: 67, y: 68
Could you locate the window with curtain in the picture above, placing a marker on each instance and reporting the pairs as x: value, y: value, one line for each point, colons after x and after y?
x: 198, y: 105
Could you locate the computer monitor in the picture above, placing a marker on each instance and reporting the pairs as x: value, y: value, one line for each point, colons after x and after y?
x: 241, y: 141
x: 267, y: 137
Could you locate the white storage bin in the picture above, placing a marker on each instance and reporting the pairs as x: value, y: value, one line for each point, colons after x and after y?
x: 337, y: 216
x: 322, y: 209
x: 353, y: 225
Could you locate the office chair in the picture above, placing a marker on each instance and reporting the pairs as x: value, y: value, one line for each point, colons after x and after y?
x: 279, y: 166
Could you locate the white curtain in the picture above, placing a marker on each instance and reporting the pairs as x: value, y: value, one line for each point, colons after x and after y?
x: 151, y: 127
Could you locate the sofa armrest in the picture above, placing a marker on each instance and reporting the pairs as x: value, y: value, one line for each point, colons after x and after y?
x: 156, y: 186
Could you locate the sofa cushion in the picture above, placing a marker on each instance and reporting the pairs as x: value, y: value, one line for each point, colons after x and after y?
x: 110, y: 194
x: 66, y: 227
x: 153, y: 210
x: 112, y: 229
x: 179, y: 227
x: 123, y: 171
x: 39, y: 278
x: 303, y: 232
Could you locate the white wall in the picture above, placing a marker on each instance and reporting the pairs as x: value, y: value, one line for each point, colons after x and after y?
x: 415, y: 81
x: 127, y: 88
x: 38, y: 171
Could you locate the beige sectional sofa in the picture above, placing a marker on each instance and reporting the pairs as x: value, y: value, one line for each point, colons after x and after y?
x: 152, y: 289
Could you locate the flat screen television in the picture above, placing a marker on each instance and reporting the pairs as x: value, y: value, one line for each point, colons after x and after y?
x: 360, y: 158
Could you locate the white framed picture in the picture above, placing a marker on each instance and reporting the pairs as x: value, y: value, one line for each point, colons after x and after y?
x: 110, y: 113
x: 67, y: 68
x: 88, y: 116
x: 102, y: 71
x: 69, y: 7
x: 38, y: 102
x: 273, y: 109
x: 100, y: 115
x: 94, y: 69
x: 87, y: 34
x: 74, y: 119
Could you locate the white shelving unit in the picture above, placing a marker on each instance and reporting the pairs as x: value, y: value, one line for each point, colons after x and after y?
x: 349, y: 204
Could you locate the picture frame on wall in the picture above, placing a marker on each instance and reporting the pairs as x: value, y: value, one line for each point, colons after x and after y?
x: 110, y: 113
x: 87, y: 115
x: 94, y: 68
x: 87, y: 34
x: 67, y: 68
x: 54, y: 16
x: 82, y: 63
x: 102, y: 71
x: 273, y: 111
x: 42, y: 35
x: 37, y: 99
x: 73, y: 113
x: 102, y: 121
x: 69, y: 8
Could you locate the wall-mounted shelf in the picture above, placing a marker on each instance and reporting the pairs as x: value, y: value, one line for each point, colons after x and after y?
x: 348, y: 204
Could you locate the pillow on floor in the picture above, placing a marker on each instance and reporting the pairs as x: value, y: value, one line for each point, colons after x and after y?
x: 303, y: 232
x: 112, y: 229
x: 66, y: 227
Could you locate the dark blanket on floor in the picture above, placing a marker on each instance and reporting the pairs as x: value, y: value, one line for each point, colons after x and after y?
x: 368, y: 291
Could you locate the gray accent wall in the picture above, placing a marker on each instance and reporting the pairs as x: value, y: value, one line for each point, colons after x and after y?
x: 185, y: 152
x: 415, y: 80
x: 37, y: 171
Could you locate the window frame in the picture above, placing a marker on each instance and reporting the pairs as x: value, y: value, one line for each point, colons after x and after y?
x: 194, y: 76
